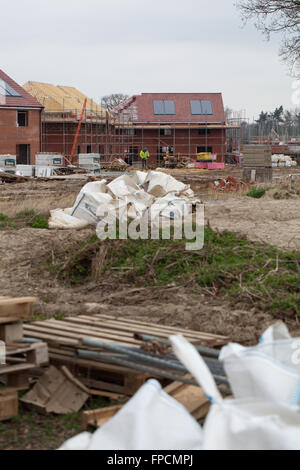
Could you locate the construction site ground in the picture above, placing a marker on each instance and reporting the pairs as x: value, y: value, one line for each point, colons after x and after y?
x: 25, y: 253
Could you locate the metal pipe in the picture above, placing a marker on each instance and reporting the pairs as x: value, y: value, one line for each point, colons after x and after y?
x: 202, y: 350
x: 132, y: 365
x: 138, y: 356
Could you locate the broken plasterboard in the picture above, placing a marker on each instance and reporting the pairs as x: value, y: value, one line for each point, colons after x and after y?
x: 56, y: 393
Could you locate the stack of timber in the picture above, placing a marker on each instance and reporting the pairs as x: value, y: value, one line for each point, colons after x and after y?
x: 19, y: 357
x: 257, y: 163
x: 97, y: 367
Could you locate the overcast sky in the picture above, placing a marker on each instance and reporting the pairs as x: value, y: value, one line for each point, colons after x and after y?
x: 134, y: 46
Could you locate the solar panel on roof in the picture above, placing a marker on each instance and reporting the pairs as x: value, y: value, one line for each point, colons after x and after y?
x: 169, y: 107
x: 164, y: 107
x: 201, y: 107
x: 206, y: 107
x: 158, y: 107
x: 196, y: 107
x: 7, y: 90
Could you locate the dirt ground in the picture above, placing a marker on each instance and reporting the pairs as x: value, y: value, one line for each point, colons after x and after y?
x: 24, y: 270
x: 24, y: 254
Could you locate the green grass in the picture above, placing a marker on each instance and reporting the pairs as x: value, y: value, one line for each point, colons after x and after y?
x: 229, y: 265
x: 24, y: 218
x: 257, y: 193
x: 31, y: 430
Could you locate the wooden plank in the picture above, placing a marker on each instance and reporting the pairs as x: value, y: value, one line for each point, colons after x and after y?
x: 15, y: 368
x: 54, y: 336
x: 81, y: 333
x: 52, y: 339
x: 77, y: 322
x: 20, y: 308
x: 11, y: 332
x: 96, y: 326
x: 162, y: 331
x: 97, y: 418
x: 73, y: 379
x: 102, y: 385
x: 19, y: 300
x: 10, y: 319
x: 125, y: 321
x: 191, y: 397
x: 9, y: 403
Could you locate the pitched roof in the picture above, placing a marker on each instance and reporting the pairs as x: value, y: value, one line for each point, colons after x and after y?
x: 62, y: 98
x: 22, y: 99
x: 140, y: 108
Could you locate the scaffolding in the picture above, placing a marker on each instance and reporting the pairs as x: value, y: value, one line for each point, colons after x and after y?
x: 120, y: 135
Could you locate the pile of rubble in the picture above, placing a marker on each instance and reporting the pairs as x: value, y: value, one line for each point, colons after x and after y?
x: 231, y: 184
x: 115, y: 165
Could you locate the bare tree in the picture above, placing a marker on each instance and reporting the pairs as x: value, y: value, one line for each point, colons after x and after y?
x: 277, y: 16
x: 110, y: 101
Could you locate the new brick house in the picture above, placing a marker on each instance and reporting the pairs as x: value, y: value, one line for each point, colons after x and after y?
x: 20, y: 121
x: 183, y: 124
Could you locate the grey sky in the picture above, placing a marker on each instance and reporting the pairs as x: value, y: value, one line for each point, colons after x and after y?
x: 135, y: 46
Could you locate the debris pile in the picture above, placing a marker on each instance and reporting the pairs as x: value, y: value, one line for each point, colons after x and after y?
x: 282, y: 160
x: 175, y: 162
x: 231, y: 184
x: 118, y: 164
x: 127, y: 196
x: 108, y: 355
x: 261, y: 415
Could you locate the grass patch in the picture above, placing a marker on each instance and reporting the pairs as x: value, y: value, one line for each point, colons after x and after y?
x: 257, y: 193
x: 22, y: 219
x: 228, y: 265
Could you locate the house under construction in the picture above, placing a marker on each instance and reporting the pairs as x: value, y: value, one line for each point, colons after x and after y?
x: 179, y: 124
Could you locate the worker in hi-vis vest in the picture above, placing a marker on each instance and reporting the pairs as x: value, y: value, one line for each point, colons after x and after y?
x: 144, y: 156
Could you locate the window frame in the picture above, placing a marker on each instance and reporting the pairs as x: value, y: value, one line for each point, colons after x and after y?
x: 19, y: 112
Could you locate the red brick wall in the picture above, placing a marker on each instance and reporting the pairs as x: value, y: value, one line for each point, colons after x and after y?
x: 59, y: 137
x: 11, y: 135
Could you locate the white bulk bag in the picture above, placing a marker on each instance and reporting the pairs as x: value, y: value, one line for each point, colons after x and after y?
x: 239, y: 424
x: 151, y: 419
x: 268, y: 371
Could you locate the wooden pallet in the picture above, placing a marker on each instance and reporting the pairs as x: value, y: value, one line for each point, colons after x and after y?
x: 15, y: 309
x: 20, y: 360
x: 65, y: 337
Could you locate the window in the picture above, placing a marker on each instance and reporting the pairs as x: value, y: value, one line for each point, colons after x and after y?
x: 7, y: 90
x: 201, y: 107
x: 165, y: 131
x: 22, y: 118
x: 203, y: 131
x: 101, y: 149
x: 201, y: 149
x: 88, y: 149
x: 130, y: 131
x: 164, y: 107
x: 78, y: 149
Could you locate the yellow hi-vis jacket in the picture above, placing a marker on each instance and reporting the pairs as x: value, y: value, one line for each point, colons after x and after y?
x: 144, y: 155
